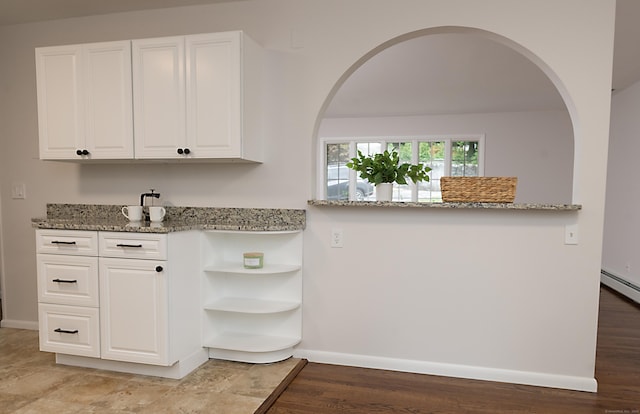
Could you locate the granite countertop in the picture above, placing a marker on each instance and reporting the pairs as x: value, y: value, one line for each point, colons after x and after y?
x: 110, y: 218
x: 477, y: 206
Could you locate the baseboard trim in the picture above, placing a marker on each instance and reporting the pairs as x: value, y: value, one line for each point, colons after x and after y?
x: 452, y: 370
x: 12, y: 323
x: 610, y: 279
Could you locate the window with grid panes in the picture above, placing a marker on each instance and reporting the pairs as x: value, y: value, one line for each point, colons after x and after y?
x: 453, y: 155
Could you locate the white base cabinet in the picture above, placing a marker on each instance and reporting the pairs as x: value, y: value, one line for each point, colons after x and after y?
x: 252, y: 315
x: 124, y: 299
x: 162, y: 304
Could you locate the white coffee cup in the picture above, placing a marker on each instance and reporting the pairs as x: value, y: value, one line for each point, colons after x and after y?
x: 133, y: 213
x: 156, y: 213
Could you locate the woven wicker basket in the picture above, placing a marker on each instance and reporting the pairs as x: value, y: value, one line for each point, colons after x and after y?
x: 478, y: 189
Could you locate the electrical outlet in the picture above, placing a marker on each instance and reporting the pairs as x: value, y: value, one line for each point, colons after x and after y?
x: 336, y: 238
x: 571, y: 234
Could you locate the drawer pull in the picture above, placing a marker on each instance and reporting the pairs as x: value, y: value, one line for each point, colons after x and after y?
x: 128, y: 245
x: 62, y: 242
x: 159, y: 269
x: 65, y: 331
x: 64, y: 281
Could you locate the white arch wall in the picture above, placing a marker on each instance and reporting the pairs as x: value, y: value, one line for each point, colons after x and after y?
x: 510, y: 307
x: 519, y: 305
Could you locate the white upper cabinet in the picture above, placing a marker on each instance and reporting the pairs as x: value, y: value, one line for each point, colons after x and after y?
x: 159, y: 97
x: 214, y: 104
x: 181, y: 97
x: 84, y: 101
x: 198, y: 96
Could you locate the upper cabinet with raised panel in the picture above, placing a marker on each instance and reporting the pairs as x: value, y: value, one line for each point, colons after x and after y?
x: 197, y: 96
x: 159, y: 97
x: 181, y: 97
x: 84, y: 101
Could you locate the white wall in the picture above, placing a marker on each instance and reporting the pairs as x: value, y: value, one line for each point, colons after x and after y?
x: 621, y: 225
x: 501, y: 297
x: 536, y: 147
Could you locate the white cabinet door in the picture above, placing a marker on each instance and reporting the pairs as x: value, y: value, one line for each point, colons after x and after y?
x: 84, y: 101
x: 159, y: 97
x: 109, y: 102
x: 60, y: 101
x: 214, y: 95
x: 134, y: 311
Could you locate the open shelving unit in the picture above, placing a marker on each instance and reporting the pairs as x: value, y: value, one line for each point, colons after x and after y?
x: 252, y: 315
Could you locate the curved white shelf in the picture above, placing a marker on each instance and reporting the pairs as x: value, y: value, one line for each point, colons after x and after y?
x: 251, y: 305
x: 243, y: 342
x: 252, y: 315
x: 239, y: 268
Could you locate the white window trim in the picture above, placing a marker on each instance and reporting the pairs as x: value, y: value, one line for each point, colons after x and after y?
x: 321, y: 190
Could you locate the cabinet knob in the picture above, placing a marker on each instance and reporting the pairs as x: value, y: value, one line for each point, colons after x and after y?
x: 187, y: 150
x: 79, y: 152
x: 159, y: 269
x: 180, y: 151
x: 85, y: 152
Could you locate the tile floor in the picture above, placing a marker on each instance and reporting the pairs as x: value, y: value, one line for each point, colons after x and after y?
x: 31, y: 382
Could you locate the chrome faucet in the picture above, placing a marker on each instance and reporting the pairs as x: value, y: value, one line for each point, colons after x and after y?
x: 142, y: 198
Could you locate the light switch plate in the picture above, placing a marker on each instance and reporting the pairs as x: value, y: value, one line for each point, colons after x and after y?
x: 571, y: 234
x: 18, y: 191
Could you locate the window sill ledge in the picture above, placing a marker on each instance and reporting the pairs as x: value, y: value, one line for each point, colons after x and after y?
x: 474, y: 206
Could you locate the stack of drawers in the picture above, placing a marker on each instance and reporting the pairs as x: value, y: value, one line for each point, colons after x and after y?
x: 68, y: 295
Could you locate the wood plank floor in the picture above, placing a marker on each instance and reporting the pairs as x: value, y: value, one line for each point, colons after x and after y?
x: 322, y: 388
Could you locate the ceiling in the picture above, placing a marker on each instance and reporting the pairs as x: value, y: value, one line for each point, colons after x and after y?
x: 27, y: 11
x: 500, y: 77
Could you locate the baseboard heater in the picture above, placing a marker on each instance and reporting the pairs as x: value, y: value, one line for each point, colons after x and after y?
x: 629, y: 289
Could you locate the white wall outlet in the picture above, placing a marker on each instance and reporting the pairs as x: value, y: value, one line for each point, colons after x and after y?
x: 336, y: 238
x: 18, y: 191
x: 571, y: 234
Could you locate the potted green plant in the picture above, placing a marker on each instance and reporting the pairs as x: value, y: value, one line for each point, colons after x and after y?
x: 382, y: 170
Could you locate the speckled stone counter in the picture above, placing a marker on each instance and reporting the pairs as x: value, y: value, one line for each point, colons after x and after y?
x: 477, y: 206
x: 110, y: 218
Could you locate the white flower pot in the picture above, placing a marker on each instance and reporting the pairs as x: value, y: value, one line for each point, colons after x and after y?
x: 384, y: 191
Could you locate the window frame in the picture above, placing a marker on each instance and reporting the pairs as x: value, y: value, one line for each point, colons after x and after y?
x: 448, y: 139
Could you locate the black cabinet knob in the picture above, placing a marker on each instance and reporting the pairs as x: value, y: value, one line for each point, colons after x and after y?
x: 79, y: 152
x: 187, y: 150
x: 180, y: 151
x: 159, y: 269
x: 85, y: 152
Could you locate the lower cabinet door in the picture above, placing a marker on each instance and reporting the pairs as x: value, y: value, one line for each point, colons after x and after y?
x: 73, y: 330
x: 134, y: 311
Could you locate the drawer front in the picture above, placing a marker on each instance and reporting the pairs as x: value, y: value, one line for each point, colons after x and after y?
x: 73, y: 330
x: 70, y: 242
x: 68, y: 280
x: 133, y: 245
